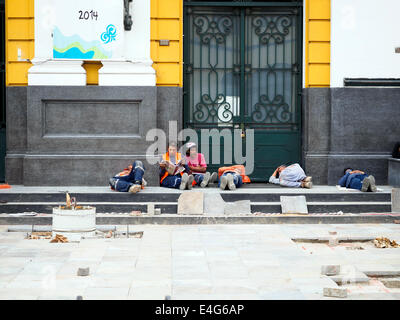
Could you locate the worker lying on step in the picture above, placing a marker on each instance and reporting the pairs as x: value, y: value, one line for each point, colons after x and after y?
x: 357, y: 179
x: 198, y: 166
x: 130, y: 179
x: 174, y: 172
x: 232, y: 177
x: 291, y: 176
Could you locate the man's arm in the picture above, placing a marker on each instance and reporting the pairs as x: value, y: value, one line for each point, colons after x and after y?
x: 198, y: 168
x: 274, y: 180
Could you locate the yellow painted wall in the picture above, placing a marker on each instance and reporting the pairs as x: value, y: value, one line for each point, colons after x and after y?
x: 317, y: 43
x: 167, y: 23
x: 20, y: 34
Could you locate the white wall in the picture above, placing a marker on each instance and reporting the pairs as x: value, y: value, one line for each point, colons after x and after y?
x: 364, y: 34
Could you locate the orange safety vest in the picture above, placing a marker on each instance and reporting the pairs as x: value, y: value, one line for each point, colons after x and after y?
x: 166, y: 158
x: 245, y: 178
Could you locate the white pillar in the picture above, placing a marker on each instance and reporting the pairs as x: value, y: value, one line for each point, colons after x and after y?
x: 45, y: 70
x: 136, y: 69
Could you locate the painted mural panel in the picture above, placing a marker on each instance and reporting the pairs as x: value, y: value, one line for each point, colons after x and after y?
x: 88, y: 29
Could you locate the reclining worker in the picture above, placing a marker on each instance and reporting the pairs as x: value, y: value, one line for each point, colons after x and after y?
x: 130, y: 179
x: 198, y: 166
x: 233, y: 177
x: 174, y: 170
x: 291, y: 176
x: 356, y: 179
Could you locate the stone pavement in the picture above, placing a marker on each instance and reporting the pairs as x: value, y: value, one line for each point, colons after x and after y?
x: 196, y: 262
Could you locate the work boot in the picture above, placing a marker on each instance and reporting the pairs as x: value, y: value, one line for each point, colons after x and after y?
x: 372, y: 185
x: 213, y: 177
x: 206, y: 180
x: 365, y: 184
x: 135, y: 188
x: 231, y: 184
x: 184, y: 181
x: 224, y: 181
x: 307, y: 185
x: 307, y: 179
x: 190, y: 182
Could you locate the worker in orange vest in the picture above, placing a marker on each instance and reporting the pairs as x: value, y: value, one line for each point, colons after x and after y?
x: 174, y: 172
x: 130, y: 179
x: 232, y: 177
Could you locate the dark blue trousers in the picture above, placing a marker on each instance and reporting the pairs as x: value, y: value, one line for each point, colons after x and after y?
x: 123, y: 184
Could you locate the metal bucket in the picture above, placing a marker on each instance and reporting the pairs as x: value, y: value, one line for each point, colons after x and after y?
x: 72, y: 223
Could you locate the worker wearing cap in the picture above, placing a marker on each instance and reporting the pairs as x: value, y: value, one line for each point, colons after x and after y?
x: 198, y: 166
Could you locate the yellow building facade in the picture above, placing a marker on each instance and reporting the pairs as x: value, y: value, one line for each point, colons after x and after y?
x: 166, y: 23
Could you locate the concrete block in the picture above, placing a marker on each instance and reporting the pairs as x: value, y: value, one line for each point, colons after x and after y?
x: 295, y: 204
x: 157, y: 211
x: 83, y: 272
x: 191, y: 202
x: 335, y: 292
x: 330, y: 270
x: 396, y: 200
x: 213, y: 203
x: 150, y: 209
x: 238, y: 207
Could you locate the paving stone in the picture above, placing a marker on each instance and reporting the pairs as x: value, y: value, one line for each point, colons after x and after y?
x: 330, y: 270
x: 396, y: 200
x: 294, y: 204
x: 213, y: 204
x: 351, y: 277
x: 191, y: 203
x: 237, y: 207
x: 335, y: 292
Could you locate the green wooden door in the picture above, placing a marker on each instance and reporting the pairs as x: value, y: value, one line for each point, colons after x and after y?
x: 242, y: 70
x: 3, y: 94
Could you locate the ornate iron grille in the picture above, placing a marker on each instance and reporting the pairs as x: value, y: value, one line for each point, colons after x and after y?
x: 242, y: 70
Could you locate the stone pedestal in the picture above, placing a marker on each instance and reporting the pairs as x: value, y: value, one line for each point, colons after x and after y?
x: 57, y: 73
x: 125, y: 73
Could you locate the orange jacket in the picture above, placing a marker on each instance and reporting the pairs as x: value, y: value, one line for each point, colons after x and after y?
x: 166, y: 158
x: 236, y: 168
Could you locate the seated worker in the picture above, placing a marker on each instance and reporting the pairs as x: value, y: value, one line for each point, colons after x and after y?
x: 174, y: 170
x: 233, y: 177
x: 356, y: 179
x: 130, y: 179
x: 197, y: 165
x: 291, y: 176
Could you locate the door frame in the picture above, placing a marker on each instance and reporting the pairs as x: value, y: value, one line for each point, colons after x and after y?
x: 299, y: 51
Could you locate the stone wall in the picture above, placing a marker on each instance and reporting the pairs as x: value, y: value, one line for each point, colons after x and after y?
x: 82, y: 135
x: 349, y: 127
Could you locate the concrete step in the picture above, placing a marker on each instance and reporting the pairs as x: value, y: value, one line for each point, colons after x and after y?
x: 260, y: 196
x: 320, y: 199
x: 175, y: 219
x: 172, y: 207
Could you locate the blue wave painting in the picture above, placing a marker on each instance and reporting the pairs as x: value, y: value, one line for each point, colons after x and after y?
x: 74, y: 47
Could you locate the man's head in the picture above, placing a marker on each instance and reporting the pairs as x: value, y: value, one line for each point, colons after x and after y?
x: 279, y: 170
x: 172, y: 148
x: 191, y: 149
x: 347, y: 170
